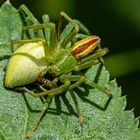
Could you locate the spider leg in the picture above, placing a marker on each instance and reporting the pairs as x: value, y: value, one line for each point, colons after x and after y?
x: 94, y: 85
x: 69, y: 32
x: 78, y: 36
x: 27, y: 14
x: 47, y: 48
x: 79, y: 80
x: 86, y: 64
x: 82, y: 79
x: 81, y: 118
x: 28, y: 19
x: 40, y: 116
x: 47, y: 31
x: 14, y: 42
x: 51, y: 92
x: 46, y: 26
x: 36, y: 30
x: 50, y: 33
x: 90, y: 60
x: 44, y: 108
x: 99, y: 53
x: 82, y: 27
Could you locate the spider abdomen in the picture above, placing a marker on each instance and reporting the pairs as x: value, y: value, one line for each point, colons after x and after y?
x: 25, y: 65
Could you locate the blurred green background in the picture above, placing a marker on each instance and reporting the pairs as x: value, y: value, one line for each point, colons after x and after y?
x: 118, y: 25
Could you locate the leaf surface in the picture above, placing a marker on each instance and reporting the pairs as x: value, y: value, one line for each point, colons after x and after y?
x: 18, y: 111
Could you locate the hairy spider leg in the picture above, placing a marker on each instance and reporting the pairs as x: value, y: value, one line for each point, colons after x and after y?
x: 71, y: 29
x: 78, y: 79
x: 26, y: 13
x: 50, y: 97
x: 47, y: 49
x: 50, y: 33
x: 29, y: 19
x: 82, y: 27
x: 14, y: 42
x: 80, y: 116
x: 90, y: 60
x: 94, y: 56
x: 51, y: 93
x: 68, y: 31
x: 44, y: 108
x: 53, y: 38
x: 82, y: 79
x: 47, y: 32
x: 79, y: 36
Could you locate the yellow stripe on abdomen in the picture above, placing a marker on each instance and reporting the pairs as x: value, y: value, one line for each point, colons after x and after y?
x: 85, y: 46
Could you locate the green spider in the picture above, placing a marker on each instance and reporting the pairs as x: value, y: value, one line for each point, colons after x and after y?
x: 53, y: 59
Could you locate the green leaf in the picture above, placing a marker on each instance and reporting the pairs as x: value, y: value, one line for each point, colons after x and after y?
x: 10, y: 28
x: 18, y: 111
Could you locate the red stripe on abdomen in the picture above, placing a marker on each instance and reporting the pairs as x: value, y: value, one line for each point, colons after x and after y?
x: 84, y: 46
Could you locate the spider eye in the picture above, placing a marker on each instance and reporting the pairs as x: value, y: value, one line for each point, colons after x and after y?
x: 85, y: 46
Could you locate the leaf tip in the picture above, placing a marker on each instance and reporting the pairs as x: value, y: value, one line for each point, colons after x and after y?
x: 132, y: 110
x: 137, y: 120
x: 124, y: 97
x: 7, y: 1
